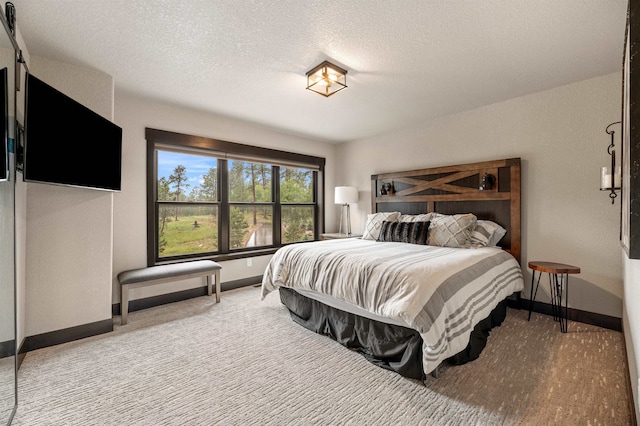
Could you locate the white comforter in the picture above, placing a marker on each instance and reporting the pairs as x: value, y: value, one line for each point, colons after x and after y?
x: 440, y: 292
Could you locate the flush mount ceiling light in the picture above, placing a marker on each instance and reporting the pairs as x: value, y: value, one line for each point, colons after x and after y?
x: 327, y: 79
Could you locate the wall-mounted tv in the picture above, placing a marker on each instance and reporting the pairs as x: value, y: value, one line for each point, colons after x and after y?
x: 4, y: 121
x: 68, y: 144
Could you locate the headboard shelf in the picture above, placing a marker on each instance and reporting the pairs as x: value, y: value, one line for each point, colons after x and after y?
x: 480, y: 196
x: 456, y: 189
x: 449, y: 169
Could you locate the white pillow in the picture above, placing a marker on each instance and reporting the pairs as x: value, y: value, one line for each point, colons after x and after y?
x: 452, y: 230
x: 423, y: 217
x: 374, y: 224
x: 487, y: 233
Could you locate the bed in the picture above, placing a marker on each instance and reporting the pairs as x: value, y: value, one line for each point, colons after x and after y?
x: 433, y: 273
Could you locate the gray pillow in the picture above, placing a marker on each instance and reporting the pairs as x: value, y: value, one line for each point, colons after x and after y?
x: 422, y: 217
x: 487, y: 234
x: 374, y: 224
x: 452, y: 230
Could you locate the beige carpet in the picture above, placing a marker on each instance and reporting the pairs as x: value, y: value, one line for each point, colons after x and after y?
x: 244, y: 361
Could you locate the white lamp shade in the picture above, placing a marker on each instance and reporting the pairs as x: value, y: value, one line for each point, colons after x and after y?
x: 346, y: 194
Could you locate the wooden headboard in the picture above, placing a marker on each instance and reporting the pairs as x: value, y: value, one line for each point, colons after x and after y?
x: 456, y: 189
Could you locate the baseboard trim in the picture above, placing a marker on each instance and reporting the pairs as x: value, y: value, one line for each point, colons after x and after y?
x: 21, y: 355
x: 177, y: 296
x: 57, y: 337
x: 592, y: 318
x: 52, y: 338
x: 7, y: 348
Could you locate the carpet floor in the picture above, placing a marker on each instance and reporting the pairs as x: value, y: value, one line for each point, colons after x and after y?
x: 245, y: 362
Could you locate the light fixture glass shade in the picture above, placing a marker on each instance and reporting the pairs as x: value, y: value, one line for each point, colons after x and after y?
x: 606, y: 176
x: 346, y: 194
x: 327, y: 79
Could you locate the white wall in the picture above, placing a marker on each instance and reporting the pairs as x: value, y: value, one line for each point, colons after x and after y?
x: 631, y: 323
x: 7, y: 277
x: 560, y: 136
x: 7, y: 217
x: 75, y: 241
x: 21, y: 212
x: 69, y: 230
x: 133, y: 114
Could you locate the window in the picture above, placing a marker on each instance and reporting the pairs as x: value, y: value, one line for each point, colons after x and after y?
x: 251, y: 204
x: 296, y: 198
x: 187, y: 201
x: 214, y: 199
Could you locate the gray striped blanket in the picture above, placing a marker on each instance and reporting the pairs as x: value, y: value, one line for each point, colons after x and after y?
x: 440, y: 292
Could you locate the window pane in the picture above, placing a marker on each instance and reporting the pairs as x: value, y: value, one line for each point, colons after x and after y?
x: 186, y: 177
x: 297, y: 223
x: 187, y: 230
x: 249, y: 182
x: 296, y: 185
x: 251, y: 226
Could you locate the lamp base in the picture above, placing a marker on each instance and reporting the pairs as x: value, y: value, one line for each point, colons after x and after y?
x: 348, y: 219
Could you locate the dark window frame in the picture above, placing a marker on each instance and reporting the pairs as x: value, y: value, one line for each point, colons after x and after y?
x: 224, y: 151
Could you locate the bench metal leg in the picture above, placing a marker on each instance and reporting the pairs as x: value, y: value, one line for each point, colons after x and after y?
x: 162, y: 274
x: 216, y: 276
x: 124, y: 304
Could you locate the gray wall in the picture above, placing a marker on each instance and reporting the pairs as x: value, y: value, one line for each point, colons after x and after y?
x: 69, y: 231
x: 133, y: 114
x: 631, y: 324
x: 560, y: 136
x: 77, y: 240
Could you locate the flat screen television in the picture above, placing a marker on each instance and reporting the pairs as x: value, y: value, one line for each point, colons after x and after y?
x: 4, y: 121
x: 68, y: 144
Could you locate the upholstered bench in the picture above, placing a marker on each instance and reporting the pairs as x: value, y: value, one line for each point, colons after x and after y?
x: 152, y: 275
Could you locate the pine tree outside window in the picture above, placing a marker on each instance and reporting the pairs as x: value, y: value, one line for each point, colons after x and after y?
x: 221, y: 200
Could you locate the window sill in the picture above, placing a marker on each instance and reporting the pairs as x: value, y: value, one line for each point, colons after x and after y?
x: 224, y: 257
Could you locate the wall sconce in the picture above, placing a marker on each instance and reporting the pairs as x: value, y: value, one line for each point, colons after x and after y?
x: 486, y: 182
x: 345, y: 195
x: 610, y: 178
x: 327, y: 79
x: 10, y: 14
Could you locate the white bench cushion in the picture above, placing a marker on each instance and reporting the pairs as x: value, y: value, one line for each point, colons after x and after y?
x: 162, y: 272
x: 152, y: 275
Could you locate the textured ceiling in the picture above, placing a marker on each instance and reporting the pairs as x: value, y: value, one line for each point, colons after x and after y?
x: 407, y: 60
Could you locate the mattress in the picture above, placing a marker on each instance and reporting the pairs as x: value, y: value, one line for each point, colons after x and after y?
x: 442, y: 293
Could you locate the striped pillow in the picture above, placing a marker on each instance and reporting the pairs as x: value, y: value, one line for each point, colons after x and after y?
x: 487, y: 233
x: 405, y: 232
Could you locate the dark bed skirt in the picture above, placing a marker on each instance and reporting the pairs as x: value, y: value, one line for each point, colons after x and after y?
x: 389, y: 346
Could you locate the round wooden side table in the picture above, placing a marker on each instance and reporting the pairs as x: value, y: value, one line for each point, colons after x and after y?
x: 558, y: 284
